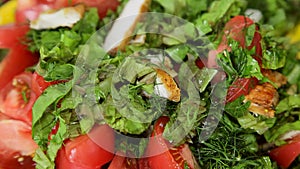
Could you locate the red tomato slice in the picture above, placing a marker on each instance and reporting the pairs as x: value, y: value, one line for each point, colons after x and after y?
x: 161, y: 156
x: 235, y: 29
x: 16, y: 145
x: 16, y: 61
x: 286, y: 154
x: 18, y: 57
x: 239, y: 87
x: 83, y: 153
x: 62, y: 161
x: 17, y: 99
x: 143, y: 163
x: 256, y: 42
x: 200, y: 63
x: 39, y: 84
x: 120, y: 161
x: 12, y: 34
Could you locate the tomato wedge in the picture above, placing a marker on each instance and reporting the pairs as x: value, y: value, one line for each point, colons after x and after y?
x: 17, y: 99
x: 239, y: 87
x: 18, y: 57
x: 235, y: 29
x: 39, y: 84
x: 286, y: 154
x: 83, y: 153
x: 16, y: 145
x: 161, y: 154
x: 12, y: 34
x: 120, y: 161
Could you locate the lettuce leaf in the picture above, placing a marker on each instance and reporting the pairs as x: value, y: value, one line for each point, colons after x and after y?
x: 60, y: 47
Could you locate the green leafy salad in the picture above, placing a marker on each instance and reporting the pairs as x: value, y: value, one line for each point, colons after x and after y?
x: 223, y: 71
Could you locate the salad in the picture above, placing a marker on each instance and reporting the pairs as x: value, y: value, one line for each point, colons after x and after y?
x: 149, y: 84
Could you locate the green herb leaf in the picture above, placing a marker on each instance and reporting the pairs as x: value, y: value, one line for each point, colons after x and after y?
x: 60, y: 47
x: 217, y: 10
x: 289, y: 103
x: 279, y: 129
x: 274, y: 57
x: 50, y: 95
x: 42, y: 160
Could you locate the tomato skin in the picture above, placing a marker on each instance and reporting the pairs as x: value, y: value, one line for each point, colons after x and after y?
x: 256, y: 42
x: 286, y: 154
x: 159, y: 153
x: 15, y: 124
x: 239, y: 87
x: 157, y: 150
x: 234, y: 29
x: 53, y: 131
x: 39, y: 84
x: 160, y: 125
x: 63, y: 161
x: 83, y: 153
x: 12, y: 103
x: 16, y: 145
x: 11, y: 34
x: 163, y: 161
x: 18, y: 57
x: 143, y: 163
x: 120, y: 161
x: 200, y: 63
x: 16, y: 61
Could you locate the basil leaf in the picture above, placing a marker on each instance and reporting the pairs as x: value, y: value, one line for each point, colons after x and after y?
x: 42, y: 161
x: 289, y: 103
x: 49, y: 96
x: 279, y: 129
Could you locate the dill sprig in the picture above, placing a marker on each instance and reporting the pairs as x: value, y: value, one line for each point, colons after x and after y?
x: 229, y: 147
